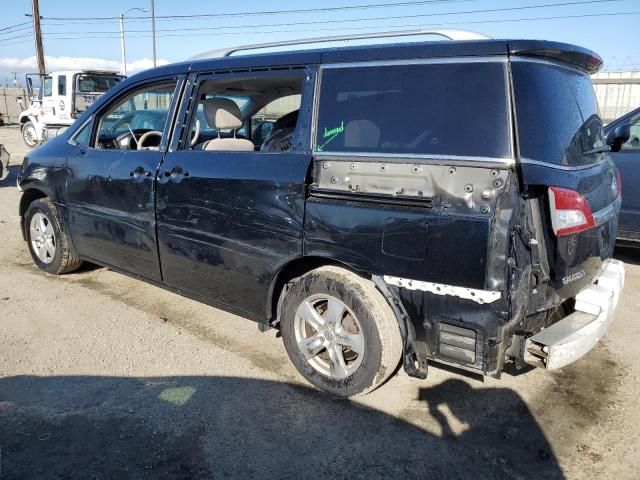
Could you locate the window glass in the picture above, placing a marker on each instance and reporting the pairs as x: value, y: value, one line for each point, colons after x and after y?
x: 129, y: 119
x: 634, y: 139
x: 62, y: 85
x: 557, y: 114
x: 83, y: 137
x: 269, y: 106
x: 438, y: 109
x: 97, y: 83
x: 47, y: 86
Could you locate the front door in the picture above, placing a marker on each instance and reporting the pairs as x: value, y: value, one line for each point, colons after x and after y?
x: 230, y: 213
x: 111, y: 181
x: 628, y: 162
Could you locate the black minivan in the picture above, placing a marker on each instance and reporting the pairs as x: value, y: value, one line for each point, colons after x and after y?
x: 451, y: 201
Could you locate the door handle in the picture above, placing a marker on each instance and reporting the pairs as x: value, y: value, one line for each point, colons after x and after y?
x: 139, y: 172
x: 176, y: 172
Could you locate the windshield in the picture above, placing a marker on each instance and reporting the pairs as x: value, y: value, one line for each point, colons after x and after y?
x: 557, y: 114
x: 96, y: 83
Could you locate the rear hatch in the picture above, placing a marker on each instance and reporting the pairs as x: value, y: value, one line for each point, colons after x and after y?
x: 575, y: 191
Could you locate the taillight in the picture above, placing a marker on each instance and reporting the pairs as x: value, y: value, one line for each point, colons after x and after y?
x: 570, y: 211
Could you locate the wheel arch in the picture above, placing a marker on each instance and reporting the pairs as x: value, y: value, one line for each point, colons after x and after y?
x: 296, y: 268
x: 28, y: 196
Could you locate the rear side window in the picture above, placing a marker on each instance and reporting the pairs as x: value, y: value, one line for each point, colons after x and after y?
x: 429, y: 109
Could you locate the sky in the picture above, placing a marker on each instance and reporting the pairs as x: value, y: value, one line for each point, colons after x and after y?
x: 85, y: 33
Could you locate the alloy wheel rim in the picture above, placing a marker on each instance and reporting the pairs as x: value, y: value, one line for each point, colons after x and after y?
x: 329, y: 336
x: 43, y: 239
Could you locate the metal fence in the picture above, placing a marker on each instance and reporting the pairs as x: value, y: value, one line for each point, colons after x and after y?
x: 617, y: 93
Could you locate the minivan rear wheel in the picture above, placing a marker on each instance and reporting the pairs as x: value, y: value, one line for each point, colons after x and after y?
x: 48, y: 243
x: 339, y: 331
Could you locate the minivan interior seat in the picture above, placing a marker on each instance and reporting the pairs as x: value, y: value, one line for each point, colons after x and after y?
x: 361, y: 134
x: 224, y: 114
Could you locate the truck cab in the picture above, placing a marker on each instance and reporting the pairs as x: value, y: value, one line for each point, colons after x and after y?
x: 61, y: 97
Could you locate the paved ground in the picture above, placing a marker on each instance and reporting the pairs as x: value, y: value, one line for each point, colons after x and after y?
x: 102, y: 376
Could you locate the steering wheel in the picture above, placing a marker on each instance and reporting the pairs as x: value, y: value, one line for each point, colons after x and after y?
x: 123, y: 141
x: 147, y: 136
x: 196, y: 134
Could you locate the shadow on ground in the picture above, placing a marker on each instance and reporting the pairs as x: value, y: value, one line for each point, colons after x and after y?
x: 224, y: 427
x: 629, y: 253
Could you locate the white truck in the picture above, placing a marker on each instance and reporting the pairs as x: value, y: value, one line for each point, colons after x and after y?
x: 61, y: 98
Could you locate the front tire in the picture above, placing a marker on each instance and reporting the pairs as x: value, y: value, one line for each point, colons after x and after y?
x: 29, y: 134
x: 48, y: 244
x: 340, y: 332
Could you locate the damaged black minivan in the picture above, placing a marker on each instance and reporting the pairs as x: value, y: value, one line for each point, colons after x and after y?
x: 383, y: 205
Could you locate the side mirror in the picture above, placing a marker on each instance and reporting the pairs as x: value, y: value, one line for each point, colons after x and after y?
x: 19, y: 100
x: 618, y: 136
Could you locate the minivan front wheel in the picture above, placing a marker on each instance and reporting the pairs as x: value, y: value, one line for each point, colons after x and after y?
x: 48, y: 244
x: 339, y: 331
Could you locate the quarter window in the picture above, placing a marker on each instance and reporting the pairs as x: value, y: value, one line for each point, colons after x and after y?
x: 427, y: 109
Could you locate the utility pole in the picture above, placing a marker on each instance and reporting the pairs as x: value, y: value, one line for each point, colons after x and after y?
x: 123, y: 67
x: 153, y: 30
x: 38, y: 35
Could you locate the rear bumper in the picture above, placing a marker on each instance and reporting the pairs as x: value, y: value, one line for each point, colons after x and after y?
x: 572, y: 337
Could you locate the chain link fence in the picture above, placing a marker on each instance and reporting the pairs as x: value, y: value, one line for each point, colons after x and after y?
x: 617, y: 93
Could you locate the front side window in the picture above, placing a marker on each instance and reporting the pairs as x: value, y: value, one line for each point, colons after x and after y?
x: 138, y: 120
x: 456, y: 109
x: 47, y: 86
x: 634, y: 139
x: 246, y: 114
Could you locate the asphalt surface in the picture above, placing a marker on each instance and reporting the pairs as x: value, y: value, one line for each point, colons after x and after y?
x: 103, y: 376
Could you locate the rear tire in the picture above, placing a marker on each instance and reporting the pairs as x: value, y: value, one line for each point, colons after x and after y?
x: 29, y: 134
x: 340, y: 332
x: 47, y: 242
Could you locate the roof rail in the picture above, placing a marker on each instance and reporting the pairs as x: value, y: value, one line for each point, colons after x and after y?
x: 449, y: 33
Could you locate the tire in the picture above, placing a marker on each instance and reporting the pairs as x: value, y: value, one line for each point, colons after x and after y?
x: 366, y: 337
x: 29, y: 134
x: 43, y: 228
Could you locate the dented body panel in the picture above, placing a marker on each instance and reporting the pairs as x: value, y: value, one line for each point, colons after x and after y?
x: 445, y: 213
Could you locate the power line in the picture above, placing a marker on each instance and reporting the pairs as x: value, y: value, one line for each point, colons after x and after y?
x: 14, y: 26
x: 275, y: 12
x: 470, y: 22
x: 15, y: 31
x: 320, y: 22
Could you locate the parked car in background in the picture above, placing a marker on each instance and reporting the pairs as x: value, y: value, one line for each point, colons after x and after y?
x: 627, y: 159
x: 4, y: 162
x: 391, y: 215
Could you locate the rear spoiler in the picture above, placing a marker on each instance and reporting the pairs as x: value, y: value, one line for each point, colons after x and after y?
x: 581, y: 58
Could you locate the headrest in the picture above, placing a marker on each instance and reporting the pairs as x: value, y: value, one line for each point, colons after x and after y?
x: 361, y: 134
x: 222, y: 113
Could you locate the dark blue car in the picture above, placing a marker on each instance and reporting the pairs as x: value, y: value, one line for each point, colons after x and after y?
x: 449, y: 202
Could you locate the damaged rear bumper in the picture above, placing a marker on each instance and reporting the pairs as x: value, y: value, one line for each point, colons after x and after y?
x: 572, y: 337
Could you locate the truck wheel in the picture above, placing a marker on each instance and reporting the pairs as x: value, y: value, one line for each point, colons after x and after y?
x: 48, y: 244
x: 339, y: 331
x: 29, y: 134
